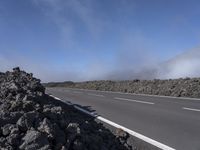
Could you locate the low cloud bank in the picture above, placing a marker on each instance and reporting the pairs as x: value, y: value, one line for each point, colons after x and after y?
x: 184, y: 65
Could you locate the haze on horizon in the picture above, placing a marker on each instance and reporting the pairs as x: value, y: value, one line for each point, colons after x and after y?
x: 78, y: 40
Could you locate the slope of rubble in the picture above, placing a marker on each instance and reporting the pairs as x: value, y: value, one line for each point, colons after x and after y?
x: 30, y: 120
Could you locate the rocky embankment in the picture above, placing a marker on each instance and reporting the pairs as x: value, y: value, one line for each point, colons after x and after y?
x: 30, y: 120
x: 187, y: 87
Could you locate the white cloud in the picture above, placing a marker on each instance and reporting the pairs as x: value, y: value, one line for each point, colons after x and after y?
x: 66, y: 13
x: 184, y: 65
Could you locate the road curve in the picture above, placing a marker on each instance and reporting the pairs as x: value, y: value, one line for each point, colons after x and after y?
x: 174, y: 122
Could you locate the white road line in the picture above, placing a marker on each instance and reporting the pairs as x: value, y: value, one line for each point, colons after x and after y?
x: 95, y: 95
x: 55, y: 97
x: 131, y: 132
x: 132, y: 100
x: 192, y: 109
x: 138, y: 135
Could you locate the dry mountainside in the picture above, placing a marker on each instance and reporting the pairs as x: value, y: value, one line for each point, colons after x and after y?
x: 32, y: 120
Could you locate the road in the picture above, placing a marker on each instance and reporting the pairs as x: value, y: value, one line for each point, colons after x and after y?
x: 174, y: 122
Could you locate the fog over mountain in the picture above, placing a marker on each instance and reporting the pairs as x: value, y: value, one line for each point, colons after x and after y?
x: 183, y: 65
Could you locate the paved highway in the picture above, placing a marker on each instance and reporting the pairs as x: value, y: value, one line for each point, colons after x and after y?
x: 174, y: 122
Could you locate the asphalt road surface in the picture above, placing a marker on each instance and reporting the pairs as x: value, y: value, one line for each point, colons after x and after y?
x: 174, y: 122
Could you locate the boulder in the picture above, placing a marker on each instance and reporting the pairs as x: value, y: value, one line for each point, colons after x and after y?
x: 34, y: 140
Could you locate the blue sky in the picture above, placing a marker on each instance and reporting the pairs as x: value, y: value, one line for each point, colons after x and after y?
x: 95, y: 39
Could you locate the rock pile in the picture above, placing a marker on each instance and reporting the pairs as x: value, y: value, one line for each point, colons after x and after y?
x: 30, y: 120
x: 183, y: 87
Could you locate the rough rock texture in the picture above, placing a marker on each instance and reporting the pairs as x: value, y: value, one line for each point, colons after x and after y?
x: 187, y: 87
x: 30, y: 120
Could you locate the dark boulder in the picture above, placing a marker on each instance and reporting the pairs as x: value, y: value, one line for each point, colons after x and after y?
x: 34, y: 140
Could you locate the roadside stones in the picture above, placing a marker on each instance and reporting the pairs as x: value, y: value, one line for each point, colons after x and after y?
x: 46, y: 127
x: 34, y: 140
x: 6, y: 129
x: 30, y: 120
x: 27, y: 121
x: 14, y: 137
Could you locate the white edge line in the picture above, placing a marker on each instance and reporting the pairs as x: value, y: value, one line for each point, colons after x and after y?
x: 185, y: 98
x: 138, y: 135
x: 192, y: 109
x: 133, y: 133
x: 132, y: 100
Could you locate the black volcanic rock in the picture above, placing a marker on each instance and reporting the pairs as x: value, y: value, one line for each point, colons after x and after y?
x: 30, y: 120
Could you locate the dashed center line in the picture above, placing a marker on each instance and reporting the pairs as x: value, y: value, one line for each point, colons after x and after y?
x: 191, y: 109
x: 131, y: 132
x: 96, y: 95
x: 132, y: 100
